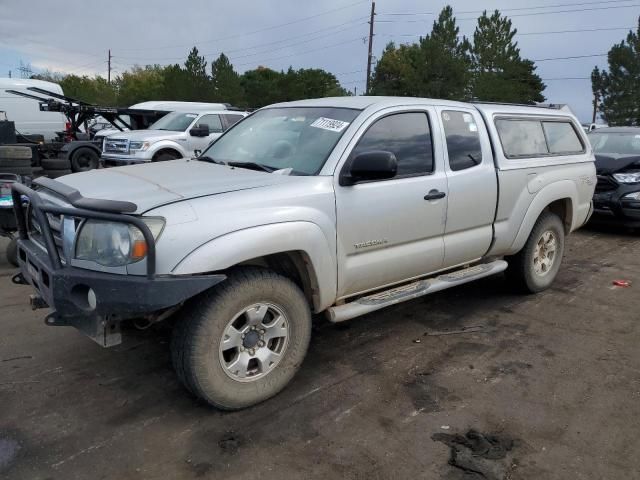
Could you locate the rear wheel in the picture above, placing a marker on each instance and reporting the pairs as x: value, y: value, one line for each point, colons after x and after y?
x: 84, y: 159
x: 534, y: 268
x: 242, y: 342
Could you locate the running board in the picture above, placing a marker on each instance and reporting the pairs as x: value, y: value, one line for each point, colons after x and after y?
x: 413, y: 290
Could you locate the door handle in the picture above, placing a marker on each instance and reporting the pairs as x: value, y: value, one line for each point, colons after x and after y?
x: 435, y: 195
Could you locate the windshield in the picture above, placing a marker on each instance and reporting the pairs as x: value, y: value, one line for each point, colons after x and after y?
x: 616, y: 143
x: 174, y: 122
x: 300, y: 138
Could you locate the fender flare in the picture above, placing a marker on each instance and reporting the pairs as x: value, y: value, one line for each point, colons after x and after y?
x: 239, y: 246
x: 560, y: 190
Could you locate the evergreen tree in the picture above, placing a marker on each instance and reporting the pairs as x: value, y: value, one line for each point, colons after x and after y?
x: 444, y: 61
x: 619, y: 88
x: 437, y: 66
x: 500, y: 74
x: 198, y: 86
x: 225, y: 81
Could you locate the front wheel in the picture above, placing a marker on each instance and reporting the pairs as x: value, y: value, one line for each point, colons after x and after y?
x: 84, y: 159
x: 242, y: 342
x: 534, y: 268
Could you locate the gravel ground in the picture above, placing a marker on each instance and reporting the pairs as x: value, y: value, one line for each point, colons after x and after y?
x: 475, y: 382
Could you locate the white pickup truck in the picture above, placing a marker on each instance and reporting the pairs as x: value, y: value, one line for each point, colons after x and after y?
x: 336, y: 205
x: 179, y: 134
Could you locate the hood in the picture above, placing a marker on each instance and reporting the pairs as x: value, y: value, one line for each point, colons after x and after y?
x: 154, y: 184
x: 148, y: 135
x: 612, y: 163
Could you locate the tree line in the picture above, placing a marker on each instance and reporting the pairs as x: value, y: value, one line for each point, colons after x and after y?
x: 194, y: 81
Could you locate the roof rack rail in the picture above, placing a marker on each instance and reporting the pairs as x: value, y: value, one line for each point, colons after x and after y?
x: 554, y: 106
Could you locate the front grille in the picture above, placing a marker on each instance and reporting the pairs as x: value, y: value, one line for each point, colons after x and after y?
x: 605, y: 184
x: 116, y: 145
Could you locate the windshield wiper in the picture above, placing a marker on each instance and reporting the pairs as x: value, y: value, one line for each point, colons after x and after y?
x: 252, y: 166
x: 206, y: 158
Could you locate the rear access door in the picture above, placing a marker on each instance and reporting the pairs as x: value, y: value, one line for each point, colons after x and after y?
x: 472, y: 185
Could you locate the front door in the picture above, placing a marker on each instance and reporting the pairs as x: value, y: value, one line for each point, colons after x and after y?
x: 215, y: 130
x: 392, y: 230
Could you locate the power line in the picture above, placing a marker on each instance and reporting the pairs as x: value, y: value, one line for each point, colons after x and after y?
x: 303, y: 53
x: 537, y: 7
x: 351, y: 23
x: 526, y: 14
x: 265, y: 29
x: 549, y: 32
x: 570, y: 58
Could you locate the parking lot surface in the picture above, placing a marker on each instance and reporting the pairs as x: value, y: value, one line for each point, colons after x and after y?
x: 474, y: 382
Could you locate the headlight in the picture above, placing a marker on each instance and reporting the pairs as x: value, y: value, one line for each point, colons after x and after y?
x: 113, y: 244
x: 627, y: 177
x: 632, y: 196
x: 139, y: 145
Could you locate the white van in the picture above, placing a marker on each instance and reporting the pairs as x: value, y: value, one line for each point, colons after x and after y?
x: 25, y: 112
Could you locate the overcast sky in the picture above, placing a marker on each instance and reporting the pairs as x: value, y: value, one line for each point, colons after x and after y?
x: 74, y: 36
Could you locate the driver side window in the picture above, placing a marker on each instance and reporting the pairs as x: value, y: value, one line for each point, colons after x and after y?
x: 407, y: 136
x: 212, y: 121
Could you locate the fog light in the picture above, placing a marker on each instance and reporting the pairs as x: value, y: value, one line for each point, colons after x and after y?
x: 633, y: 196
x: 91, y: 299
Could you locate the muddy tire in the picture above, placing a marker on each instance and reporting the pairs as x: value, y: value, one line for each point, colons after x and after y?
x: 243, y: 341
x: 12, y: 252
x: 534, y: 268
x: 84, y: 159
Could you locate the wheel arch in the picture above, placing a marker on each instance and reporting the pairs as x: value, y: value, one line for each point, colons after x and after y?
x: 167, y: 149
x: 558, y: 198
x: 298, y: 250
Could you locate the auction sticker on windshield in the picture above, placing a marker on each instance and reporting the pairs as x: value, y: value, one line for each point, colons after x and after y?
x: 330, y: 124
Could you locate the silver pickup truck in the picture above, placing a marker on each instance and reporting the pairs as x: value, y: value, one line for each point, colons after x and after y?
x: 336, y: 205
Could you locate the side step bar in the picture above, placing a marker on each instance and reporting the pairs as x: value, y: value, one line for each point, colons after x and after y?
x: 413, y: 290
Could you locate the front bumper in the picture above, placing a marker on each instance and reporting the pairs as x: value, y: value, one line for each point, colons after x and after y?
x: 612, y: 207
x: 96, y: 302
x: 111, y: 160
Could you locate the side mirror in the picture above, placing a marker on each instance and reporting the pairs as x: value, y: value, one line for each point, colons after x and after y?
x: 200, y: 131
x: 366, y: 166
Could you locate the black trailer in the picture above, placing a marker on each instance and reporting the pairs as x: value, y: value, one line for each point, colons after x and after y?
x: 74, y: 150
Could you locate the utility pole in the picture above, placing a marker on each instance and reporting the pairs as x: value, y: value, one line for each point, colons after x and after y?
x: 109, y: 68
x: 595, y: 107
x: 370, y: 56
x: 9, y: 73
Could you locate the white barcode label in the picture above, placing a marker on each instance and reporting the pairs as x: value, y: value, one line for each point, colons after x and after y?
x: 330, y: 124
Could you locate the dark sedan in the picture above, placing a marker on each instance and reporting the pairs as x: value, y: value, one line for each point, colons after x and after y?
x: 617, y: 196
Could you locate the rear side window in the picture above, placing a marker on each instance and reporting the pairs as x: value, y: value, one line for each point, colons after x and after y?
x: 522, y: 138
x: 232, y: 119
x: 463, y: 140
x: 407, y: 136
x: 562, y: 138
x: 533, y: 138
